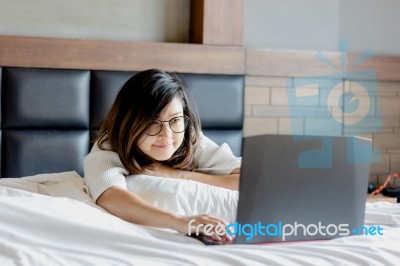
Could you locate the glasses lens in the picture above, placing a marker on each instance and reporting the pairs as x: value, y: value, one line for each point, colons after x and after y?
x: 178, y: 124
x: 154, y: 128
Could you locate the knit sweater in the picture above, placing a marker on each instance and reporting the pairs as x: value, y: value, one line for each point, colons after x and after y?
x: 103, y: 168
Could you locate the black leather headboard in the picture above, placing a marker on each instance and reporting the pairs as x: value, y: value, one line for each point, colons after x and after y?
x: 49, y: 116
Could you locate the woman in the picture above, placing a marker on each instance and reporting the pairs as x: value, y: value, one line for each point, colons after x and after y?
x: 154, y: 129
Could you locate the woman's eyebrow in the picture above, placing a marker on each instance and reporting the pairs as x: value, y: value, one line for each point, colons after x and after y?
x: 175, y: 114
x: 171, y: 115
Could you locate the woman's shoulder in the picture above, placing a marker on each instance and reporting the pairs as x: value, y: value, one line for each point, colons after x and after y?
x: 204, y: 141
x: 101, y: 154
x: 101, y: 148
x: 213, y: 158
x: 206, y: 146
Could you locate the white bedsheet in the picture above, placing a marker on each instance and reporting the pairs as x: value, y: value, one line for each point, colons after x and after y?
x: 50, y: 220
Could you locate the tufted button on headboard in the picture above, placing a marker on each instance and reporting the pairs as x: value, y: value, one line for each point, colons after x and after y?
x: 49, y: 116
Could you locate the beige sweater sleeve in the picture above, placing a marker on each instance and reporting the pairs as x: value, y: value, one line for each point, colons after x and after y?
x: 103, y: 169
x: 213, y: 159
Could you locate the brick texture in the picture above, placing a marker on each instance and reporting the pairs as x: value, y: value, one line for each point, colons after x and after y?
x: 267, y: 112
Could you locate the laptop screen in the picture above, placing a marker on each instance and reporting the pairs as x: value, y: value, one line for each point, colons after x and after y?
x: 301, y: 188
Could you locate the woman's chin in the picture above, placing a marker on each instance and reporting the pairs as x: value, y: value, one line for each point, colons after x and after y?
x: 162, y: 157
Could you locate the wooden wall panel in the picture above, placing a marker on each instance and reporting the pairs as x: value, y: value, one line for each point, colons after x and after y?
x: 286, y: 63
x: 217, y: 22
x: 129, y: 55
x: 196, y: 21
x: 119, y: 55
x: 387, y: 68
x: 296, y: 63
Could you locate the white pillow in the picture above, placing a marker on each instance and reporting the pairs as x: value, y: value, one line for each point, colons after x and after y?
x: 185, y: 197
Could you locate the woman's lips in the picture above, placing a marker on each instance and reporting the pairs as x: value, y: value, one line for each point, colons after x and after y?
x: 162, y: 146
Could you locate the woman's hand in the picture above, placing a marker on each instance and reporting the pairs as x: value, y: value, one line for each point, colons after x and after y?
x: 211, y: 228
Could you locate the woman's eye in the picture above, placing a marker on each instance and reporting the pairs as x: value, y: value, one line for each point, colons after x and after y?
x: 175, y: 120
x: 154, y: 123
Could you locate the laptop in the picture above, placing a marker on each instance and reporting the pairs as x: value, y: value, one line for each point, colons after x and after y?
x: 298, y: 188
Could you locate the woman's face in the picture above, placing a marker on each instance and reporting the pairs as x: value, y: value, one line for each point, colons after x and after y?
x: 163, y: 145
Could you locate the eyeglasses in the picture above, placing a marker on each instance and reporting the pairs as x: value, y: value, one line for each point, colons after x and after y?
x: 177, y: 125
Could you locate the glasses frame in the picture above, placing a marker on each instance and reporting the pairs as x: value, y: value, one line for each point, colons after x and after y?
x: 186, y: 122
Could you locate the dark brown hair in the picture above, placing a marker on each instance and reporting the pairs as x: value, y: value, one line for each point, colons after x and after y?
x: 142, y: 98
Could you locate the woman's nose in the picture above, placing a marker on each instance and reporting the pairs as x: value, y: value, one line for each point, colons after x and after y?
x: 166, y: 130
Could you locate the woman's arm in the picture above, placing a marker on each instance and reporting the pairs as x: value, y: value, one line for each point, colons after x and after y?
x: 230, y: 181
x: 132, y: 208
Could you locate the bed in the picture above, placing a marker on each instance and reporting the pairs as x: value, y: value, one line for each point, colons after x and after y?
x: 49, y: 115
